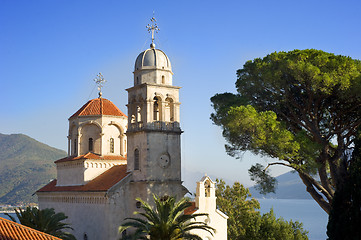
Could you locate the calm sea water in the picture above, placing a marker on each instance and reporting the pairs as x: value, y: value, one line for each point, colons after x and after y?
x: 6, y: 217
x: 314, y: 219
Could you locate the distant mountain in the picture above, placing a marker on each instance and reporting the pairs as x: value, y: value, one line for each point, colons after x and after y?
x: 25, y: 166
x: 289, y: 186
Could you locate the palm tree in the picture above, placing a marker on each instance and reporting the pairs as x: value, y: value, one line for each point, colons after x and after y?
x: 45, y: 220
x: 166, y: 222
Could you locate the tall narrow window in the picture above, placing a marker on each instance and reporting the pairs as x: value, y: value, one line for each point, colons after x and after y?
x: 74, y: 147
x: 163, y: 79
x: 91, y: 147
x: 111, y: 141
x: 156, y: 109
x: 136, y: 159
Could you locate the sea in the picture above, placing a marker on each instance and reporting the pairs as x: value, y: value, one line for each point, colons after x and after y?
x: 6, y: 217
x: 307, y: 211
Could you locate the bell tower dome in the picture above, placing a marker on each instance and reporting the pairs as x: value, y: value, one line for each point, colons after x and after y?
x: 153, y: 66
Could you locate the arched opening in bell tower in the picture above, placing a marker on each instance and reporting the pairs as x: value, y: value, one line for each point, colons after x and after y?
x: 139, y: 114
x: 156, y: 109
x: 169, y: 110
x: 207, y: 189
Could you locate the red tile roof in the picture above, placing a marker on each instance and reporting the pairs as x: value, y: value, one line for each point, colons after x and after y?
x: 90, y: 155
x: 99, y: 184
x: 10, y: 230
x: 191, y: 209
x: 98, y: 106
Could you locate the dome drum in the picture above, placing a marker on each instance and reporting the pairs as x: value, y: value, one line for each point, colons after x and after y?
x: 155, y: 77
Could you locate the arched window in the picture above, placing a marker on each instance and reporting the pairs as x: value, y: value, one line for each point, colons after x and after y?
x: 75, y: 146
x: 111, y: 141
x: 136, y: 159
x: 91, y: 147
x: 156, y: 109
x: 85, y: 237
x: 163, y: 79
x: 137, y: 80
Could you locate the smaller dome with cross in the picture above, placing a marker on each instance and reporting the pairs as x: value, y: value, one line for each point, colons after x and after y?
x: 152, y: 59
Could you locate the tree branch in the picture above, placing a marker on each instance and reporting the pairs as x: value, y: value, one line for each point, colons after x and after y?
x: 314, y: 194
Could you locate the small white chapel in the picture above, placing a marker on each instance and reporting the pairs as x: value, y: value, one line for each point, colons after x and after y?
x: 114, y: 158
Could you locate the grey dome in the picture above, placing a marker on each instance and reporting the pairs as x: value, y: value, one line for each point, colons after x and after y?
x: 152, y: 59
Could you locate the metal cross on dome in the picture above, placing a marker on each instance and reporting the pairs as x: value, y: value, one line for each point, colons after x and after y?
x: 153, y: 27
x: 99, y: 80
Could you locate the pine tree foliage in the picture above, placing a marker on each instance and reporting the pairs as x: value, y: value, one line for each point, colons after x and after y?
x: 302, y: 109
x: 345, y: 217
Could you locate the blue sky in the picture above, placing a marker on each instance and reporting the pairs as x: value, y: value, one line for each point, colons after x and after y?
x: 50, y: 52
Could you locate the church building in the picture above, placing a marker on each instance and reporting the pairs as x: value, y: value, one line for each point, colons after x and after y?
x: 113, y: 158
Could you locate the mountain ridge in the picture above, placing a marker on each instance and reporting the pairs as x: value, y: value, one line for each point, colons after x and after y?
x: 25, y: 165
x: 289, y: 186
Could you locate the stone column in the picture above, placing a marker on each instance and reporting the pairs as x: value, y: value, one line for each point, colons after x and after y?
x: 69, y: 148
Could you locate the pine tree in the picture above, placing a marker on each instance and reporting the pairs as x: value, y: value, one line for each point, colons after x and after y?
x: 345, y: 217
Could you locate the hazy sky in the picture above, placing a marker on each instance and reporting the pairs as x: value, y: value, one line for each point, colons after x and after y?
x: 50, y: 52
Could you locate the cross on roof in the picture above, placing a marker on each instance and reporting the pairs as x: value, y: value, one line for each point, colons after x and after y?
x: 99, y: 80
x: 153, y: 27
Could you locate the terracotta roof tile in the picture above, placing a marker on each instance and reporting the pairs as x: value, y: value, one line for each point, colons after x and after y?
x: 10, y: 230
x: 99, y: 184
x: 191, y: 209
x: 98, y: 106
x: 90, y: 155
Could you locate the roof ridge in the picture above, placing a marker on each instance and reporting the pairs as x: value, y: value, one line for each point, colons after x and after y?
x: 28, y: 228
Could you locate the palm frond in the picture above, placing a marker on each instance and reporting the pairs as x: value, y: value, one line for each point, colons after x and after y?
x: 164, y: 221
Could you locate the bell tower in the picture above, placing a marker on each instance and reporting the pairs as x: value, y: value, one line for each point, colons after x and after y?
x: 154, y: 152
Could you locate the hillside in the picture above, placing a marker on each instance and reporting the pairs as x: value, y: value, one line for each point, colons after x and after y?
x: 289, y: 186
x: 25, y: 166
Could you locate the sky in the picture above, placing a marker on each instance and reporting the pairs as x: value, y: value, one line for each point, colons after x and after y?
x: 50, y: 52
